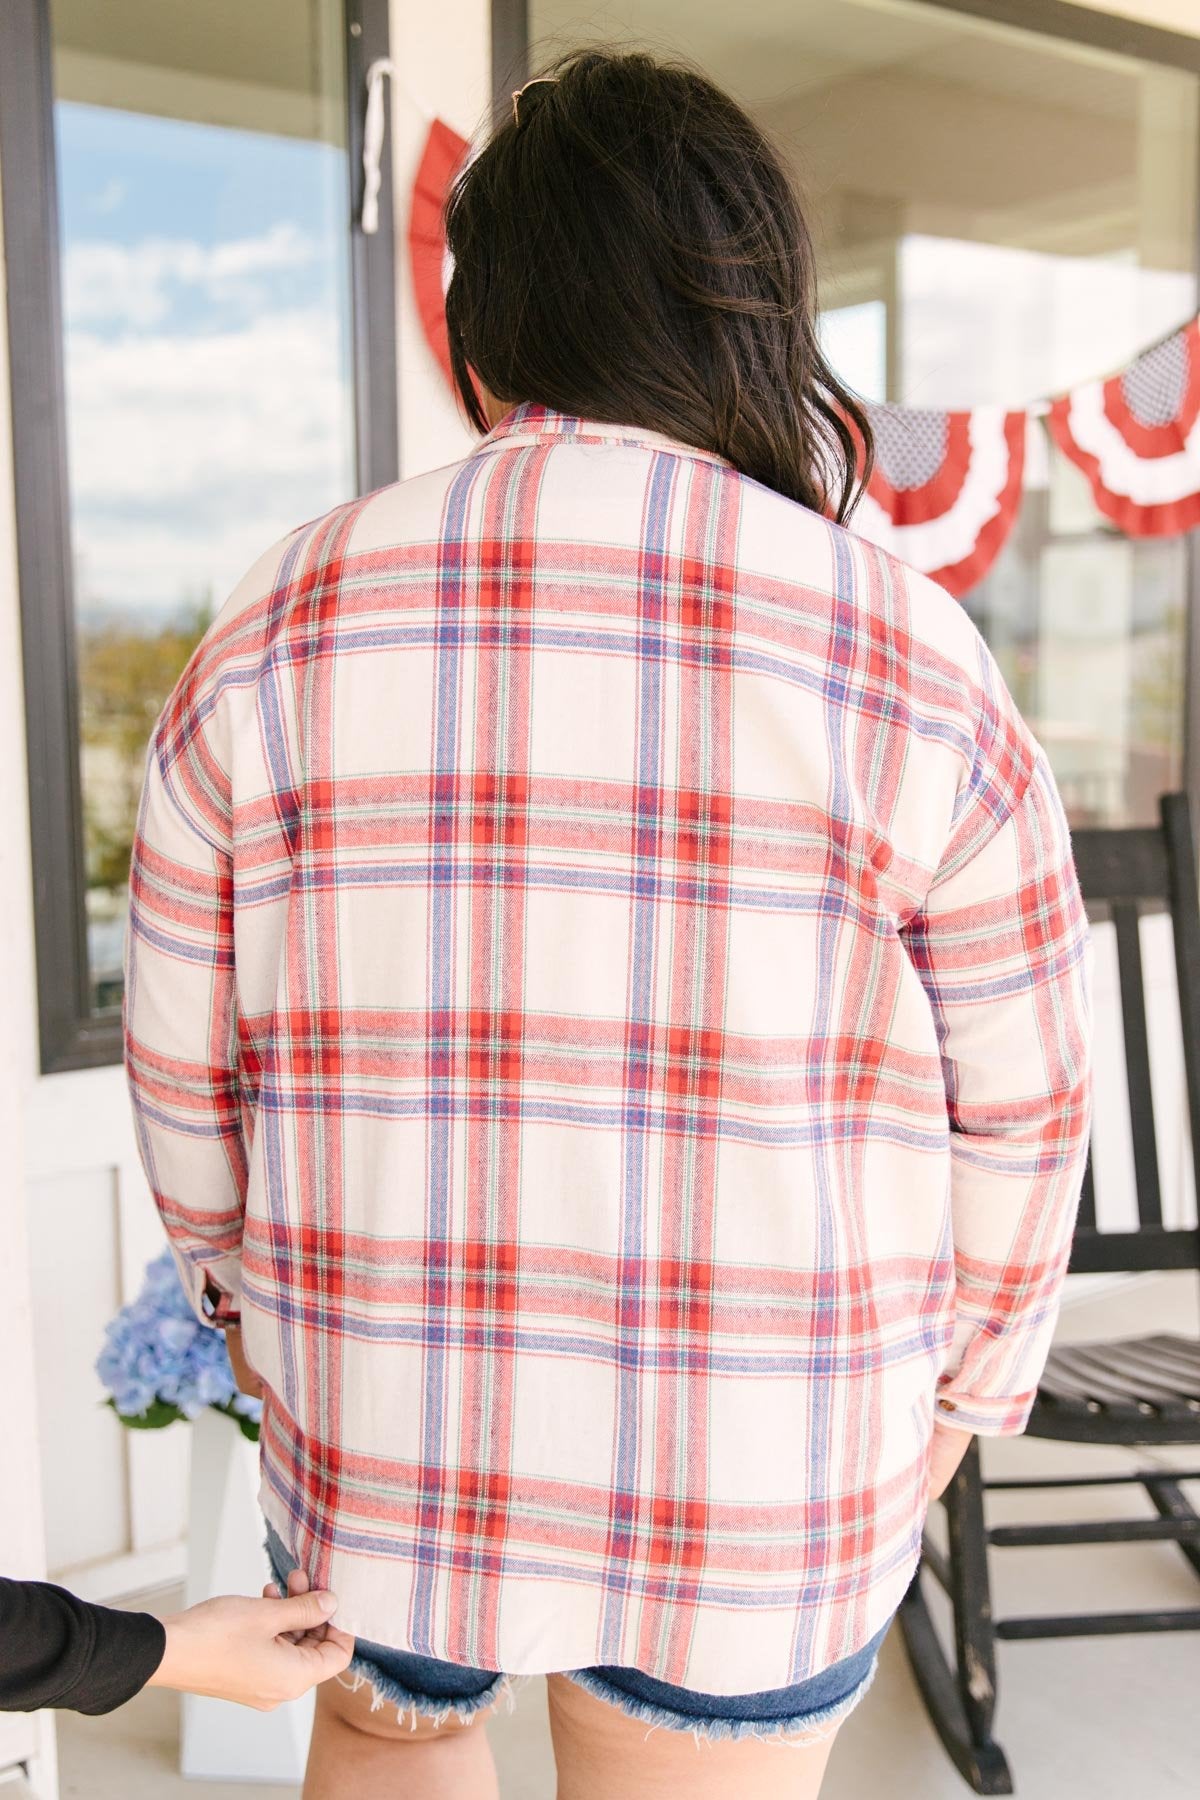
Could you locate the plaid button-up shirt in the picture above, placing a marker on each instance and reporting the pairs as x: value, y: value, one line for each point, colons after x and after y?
x: 607, y: 999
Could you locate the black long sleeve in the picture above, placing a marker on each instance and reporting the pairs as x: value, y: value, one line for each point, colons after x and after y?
x: 57, y: 1650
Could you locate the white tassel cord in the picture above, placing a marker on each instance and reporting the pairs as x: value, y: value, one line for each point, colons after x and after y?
x: 374, y: 125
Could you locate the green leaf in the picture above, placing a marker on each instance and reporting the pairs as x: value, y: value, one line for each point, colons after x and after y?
x: 158, y: 1415
x: 161, y: 1413
x: 247, y: 1427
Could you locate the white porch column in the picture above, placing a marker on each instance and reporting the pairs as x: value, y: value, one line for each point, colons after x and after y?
x: 24, y: 1738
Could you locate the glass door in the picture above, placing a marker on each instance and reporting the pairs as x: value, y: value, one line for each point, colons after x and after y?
x: 203, y: 205
x: 198, y: 332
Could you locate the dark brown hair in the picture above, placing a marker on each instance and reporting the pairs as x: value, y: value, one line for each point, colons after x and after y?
x: 630, y: 249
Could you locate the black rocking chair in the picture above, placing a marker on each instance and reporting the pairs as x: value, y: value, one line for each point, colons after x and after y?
x: 1138, y: 1391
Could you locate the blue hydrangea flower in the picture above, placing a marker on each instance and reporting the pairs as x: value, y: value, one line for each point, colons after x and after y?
x: 159, y: 1363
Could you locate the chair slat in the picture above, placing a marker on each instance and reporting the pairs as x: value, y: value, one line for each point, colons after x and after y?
x: 1137, y: 1061
x: 1153, y: 1247
x: 1164, y: 1342
x: 1152, y: 1370
x: 1082, y: 1379
x: 1135, y: 1383
x: 1121, y: 865
x: 1172, y: 1371
x: 1185, y: 924
x: 1180, y: 1355
x: 1086, y: 1220
x: 1061, y: 1384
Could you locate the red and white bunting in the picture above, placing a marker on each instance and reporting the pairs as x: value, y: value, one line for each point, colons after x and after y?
x: 945, y: 488
x: 1137, y: 438
x: 429, y: 258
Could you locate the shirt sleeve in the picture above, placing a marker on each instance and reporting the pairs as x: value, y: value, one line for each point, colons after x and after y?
x: 181, y: 1027
x: 1003, y: 951
x: 181, y: 1015
x: 56, y: 1650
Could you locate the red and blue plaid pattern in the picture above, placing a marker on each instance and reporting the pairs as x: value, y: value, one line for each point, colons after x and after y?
x: 607, y: 998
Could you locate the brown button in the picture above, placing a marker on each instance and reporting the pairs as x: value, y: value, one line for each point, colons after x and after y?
x: 947, y: 1406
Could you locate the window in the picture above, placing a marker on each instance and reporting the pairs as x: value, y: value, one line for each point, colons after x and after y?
x: 999, y: 214
x: 178, y: 191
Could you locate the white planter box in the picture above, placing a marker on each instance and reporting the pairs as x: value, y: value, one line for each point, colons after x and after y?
x: 223, y: 1742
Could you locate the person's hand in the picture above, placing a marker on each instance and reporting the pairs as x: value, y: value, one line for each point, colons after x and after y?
x: 248, y: 1382
x: 298, y: 1583
x: 257, y: 1652
x: 949, y: 1447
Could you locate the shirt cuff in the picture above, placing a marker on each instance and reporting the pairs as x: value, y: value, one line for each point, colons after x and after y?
x: 129, y: 1649
x: 985, y: 1415
x: 213, y: 1285
x: 220, y: 1307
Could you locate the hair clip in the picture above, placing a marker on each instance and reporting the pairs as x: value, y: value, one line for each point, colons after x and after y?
x: 538, y: 81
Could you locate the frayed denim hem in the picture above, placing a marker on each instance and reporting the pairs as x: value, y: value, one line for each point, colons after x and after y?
x: 802, y: 1729
x: 385, y: 1691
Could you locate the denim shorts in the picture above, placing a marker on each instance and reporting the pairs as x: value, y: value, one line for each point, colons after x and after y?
x: 438, y: 1690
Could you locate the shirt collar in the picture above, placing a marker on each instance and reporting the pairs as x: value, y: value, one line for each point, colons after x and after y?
x: 531, y: 423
